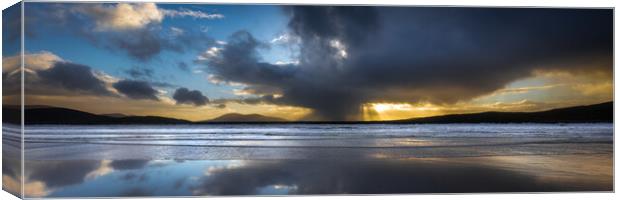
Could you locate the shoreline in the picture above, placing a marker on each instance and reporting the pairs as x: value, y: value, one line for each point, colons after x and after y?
x: 512, y: 174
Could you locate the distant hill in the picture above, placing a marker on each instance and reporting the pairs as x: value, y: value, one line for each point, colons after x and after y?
x: 115, y: 115
x: 603, y: 112
x: 236, y: 117
x: 55, y: 115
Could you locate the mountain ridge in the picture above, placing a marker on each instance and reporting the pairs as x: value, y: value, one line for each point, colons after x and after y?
x: 39, y: 114
x: 602, y: 112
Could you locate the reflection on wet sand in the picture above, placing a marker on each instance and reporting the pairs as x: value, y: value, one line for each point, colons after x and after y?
x: 577, y: 171
x: 398, y: 176
x: 11, y: 162
x: 63, y: 161
x: 11, y: 175
x: 103, y: 178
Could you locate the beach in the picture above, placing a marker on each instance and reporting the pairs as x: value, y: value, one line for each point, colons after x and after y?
x: 279, y: 159
x: 153, y: 99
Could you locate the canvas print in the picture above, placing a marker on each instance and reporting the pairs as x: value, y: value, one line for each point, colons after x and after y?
x: 122, y: 99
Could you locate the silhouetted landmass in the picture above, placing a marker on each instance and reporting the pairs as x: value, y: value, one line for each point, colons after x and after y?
x: 53, y: 115
x: 11, y: 114
x: 603, y: 112
x: 116, y: 115
x: 236, y: 117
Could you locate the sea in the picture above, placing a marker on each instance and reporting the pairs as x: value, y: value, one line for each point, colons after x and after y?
x: 287, y: 159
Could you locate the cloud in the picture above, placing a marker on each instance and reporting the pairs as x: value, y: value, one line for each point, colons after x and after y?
x: 292, y: 62
x: 31, y: 188
x: 526, y: 89
x: 219, y: 42
x: 122, y: 16
x: 209, y: 54
x: 138, y: 73
x: 349, y: 56
x: 136, y: 89
x: 186, y: 96
x: 238, y: 60
x: 345, y: 177
x: 61, y: 173
x: 147, y: 75
x: 103, y: 169
x: 47, y: 74
x: 177, y: 31
x: 43, y: 178
x: 183, y: 12
x: 133, y: 28
x: 128, y: 164
x: 285, y: 38
x: 140, y: 44
x: 162, y: 84
x: 32, y: 61
x: 218, y: 80
x: 258, y: 90
x: 74, y: 77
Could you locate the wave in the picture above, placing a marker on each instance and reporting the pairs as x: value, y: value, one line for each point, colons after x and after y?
x: 315, y: 135
x: 420, y: 144
x: 329, y: 130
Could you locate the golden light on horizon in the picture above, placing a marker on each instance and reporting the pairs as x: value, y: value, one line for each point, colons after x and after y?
x: 382, y: 107
x: 541, y: 92
x: 395, y: 111
x: 164, y: 108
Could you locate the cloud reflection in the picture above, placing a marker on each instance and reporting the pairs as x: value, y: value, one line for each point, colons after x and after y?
x: 319, y: 176
x: 373, y: 177
x: 44, y: 177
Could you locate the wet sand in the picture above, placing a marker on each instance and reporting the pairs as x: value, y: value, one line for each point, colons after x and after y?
x: 136, y: 177
x: 68, y: 161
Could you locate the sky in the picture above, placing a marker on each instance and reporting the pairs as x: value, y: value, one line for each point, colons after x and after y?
x: 200, y: 61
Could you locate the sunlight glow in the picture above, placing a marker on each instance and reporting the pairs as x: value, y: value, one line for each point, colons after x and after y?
x: 382, y: 107
x: 395, y: 111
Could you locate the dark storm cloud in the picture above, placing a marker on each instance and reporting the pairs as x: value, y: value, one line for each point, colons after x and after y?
x: 136, y: 89
x: 354, y: 55
x: 239, y: 61
x: 186, y: 96
x: 73, y: 77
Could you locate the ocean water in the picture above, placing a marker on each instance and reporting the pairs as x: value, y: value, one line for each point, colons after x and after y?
x: 299, y: 141
x: 280, y: 159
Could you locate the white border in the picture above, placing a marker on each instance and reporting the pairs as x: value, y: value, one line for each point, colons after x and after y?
x: 484, y: 3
